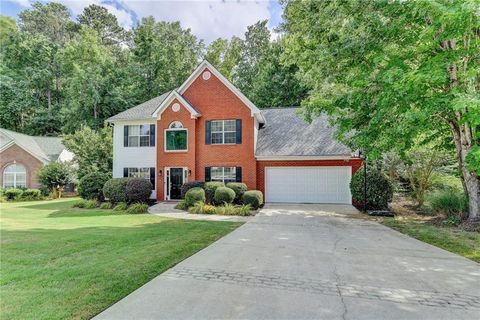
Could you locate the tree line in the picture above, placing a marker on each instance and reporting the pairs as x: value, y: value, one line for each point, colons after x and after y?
x: 58, y: 74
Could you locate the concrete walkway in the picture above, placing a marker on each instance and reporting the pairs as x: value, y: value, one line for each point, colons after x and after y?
x: 310, y: 262
x: 167, y: 210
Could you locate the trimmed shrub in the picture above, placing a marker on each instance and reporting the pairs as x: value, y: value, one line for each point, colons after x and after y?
x: 87, y: 204
x: 79, y: 204
x: 210, y: 188
x: 120, y: 206
x: 379, y: 189
x: 13, y: 194
x: 114, y: 190
x: 194, y: 195
x: 106, y: 205
x: 189, y: 185
x: 197, y: 208
x: 138, y: 190
x: 239, y: 189
x: 453, y: 205
x: 182, y: 205
x: 224, y: 195
x: 254, y: 198
x: 138, y: 208
x: 91, y: 185
x: 31, y: 194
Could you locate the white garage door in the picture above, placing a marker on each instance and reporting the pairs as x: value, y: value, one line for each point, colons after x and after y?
x: 308, y: 184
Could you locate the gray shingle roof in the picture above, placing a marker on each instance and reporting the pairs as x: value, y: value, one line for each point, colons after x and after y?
x: 287, y: 134
x: 46, y: 148
x: 142, y: 111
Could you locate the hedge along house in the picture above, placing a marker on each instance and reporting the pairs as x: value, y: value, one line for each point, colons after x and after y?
x: 208, y: 130
x: 21, y: 156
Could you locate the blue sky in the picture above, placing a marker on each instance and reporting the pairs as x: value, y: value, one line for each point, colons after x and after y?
x: 208, y: 19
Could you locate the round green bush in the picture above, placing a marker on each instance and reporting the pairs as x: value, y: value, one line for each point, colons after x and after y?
x: 239, y: 189
x: 32, y: 194
x: 254, y: 198
x: 138, y: 190
x: 91, y: 185
x: 194, y: 195
x: 189, y: 185
x: 13, y: 194
x: 379, y: 189
x: 114, y: 190
x: 224, y: 195
x: 210, y: 188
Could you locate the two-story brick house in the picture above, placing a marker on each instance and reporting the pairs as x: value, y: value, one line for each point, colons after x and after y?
x: 208, y: 130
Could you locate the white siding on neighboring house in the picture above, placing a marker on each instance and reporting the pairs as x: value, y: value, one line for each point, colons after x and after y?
x: 131, y: 157
x: 65, y: 156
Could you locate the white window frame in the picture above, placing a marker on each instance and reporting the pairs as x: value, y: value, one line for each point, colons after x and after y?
x: 223, y: 131
x: 222, y: 177
x: 139, y: 135
x: 174, y: 126
x: 15, y: 173
x: 136, y: 173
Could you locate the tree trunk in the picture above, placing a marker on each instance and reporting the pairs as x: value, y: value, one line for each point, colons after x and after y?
x: 49, y: 99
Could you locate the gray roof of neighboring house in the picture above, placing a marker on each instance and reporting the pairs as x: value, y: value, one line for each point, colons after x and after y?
x: 142, y: 111
x: 46, y: 148
x: 287, y: 134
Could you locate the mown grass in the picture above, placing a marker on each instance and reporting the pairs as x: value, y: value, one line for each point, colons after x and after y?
x: 58, y: 262
x: 452, y: 239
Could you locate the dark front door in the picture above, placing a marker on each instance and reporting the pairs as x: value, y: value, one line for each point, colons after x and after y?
x: 176, y: 181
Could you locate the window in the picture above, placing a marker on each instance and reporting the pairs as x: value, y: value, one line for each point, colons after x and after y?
x: 224, y: 132
x: 223, y: 174
x: 145, y: 173
x: 14, y: 176
x: 176, y: 137
x: 140, y: 135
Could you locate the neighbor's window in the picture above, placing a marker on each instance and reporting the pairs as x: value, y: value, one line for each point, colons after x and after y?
x: 224, y: 131
x: 15, y: 176
x: 139, y: 135
x: 176, y: 137
x: 223, y: 174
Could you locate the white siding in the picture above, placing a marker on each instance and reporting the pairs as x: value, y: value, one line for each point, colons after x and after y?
x: 131, y: 157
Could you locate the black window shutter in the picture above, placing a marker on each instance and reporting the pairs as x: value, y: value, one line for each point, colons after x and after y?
x: 238, y: 176
x: 125, y: 136
x: 152, y: 177
x: 208, y: 132
x: 239, y: 131
x: 207, y: 174
x: 125, y: 172
x: 152, y: 135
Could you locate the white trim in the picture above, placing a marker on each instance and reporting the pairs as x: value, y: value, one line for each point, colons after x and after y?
x: 294, y: 158
x: 166, y: 188
x: 175, y: 95
x: 223, y: 131
x: 165, y: 140
x: 255, y: 112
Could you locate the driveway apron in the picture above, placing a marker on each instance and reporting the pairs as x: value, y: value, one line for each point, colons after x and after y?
x: 310, y: 262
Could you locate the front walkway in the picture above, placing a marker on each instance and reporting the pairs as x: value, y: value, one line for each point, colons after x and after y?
x: 310, y: 262
x: 167, y: 210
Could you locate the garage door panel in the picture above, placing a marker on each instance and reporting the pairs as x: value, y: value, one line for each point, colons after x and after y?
x: 308, y: 184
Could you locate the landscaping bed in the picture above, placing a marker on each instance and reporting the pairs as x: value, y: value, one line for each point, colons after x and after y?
x: 60, y: 262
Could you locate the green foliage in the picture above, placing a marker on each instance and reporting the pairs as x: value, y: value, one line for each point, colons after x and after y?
x: 181, y: 205
x: 13, y: 194
x: 224, y: 195
x: 225, y: 55
x: 32, y: 194
x: 114, y: 190
x: 121, y: 206
x: 190, y: 184
x: 138, y: 208
x: 210, y: 188
x: 138, y: 190
x: 473, y: 160
x: 8, y: 27
x: 253, y: 198
x: 106, y: 205
x: 55, y: 175
x: 104, y: 23
x: 239, y: 189
x: 379, y: 189
x: 197, y: 208
x: 452, y: 204
x: 91, y: 185
x: 194, y: 195
x: 86, y: 204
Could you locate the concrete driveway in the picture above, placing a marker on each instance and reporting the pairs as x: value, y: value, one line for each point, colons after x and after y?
x: 311, y: 262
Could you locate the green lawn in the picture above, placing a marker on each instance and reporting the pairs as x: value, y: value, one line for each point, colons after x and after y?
x: 455, y: 240
x: 58, y: 262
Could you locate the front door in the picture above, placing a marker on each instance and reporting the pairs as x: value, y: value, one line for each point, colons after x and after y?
x: 176, y: 181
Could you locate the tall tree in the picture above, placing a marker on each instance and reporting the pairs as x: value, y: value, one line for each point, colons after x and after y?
x: 225, y: 55
x: 104, y: 23
x: 8, y: 27
x: 388, y: 71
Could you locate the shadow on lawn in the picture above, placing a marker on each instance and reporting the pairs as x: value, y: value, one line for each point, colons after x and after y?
x: 64, y: 209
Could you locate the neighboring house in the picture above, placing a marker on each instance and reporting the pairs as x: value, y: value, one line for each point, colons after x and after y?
x: 208, y: 130
x: 21, y: 157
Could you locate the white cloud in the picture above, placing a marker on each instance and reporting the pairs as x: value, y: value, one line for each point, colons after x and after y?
x: 23, y: 3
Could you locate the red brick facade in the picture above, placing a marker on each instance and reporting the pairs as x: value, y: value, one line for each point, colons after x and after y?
x: 20, y: 156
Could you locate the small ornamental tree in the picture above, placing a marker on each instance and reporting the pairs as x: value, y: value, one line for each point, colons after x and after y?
x: 55, y: 176
x: 379, y: 189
